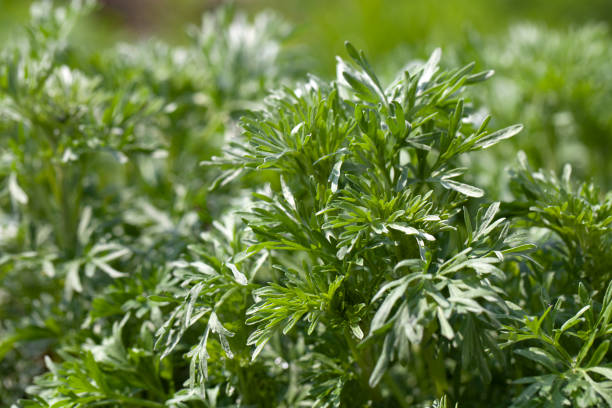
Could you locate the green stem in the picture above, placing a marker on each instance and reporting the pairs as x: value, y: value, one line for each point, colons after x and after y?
x: 355, y: 353
x: 457, y: 379
x: 365, y: 368
x: 396, y: 391
x: 138, y: 402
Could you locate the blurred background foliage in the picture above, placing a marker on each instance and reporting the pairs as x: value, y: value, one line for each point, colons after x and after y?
x: 378, y: 26
x: 560, y: 50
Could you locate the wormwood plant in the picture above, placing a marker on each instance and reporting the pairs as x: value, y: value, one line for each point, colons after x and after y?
x: 368, y: 258
x: 367, y: 261
x: 369, y: 271
x: 96, y: 201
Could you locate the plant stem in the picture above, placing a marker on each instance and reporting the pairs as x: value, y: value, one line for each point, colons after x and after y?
x: 457, y: 379
x: 363, y: 366
x: 138, y: 402
x: 397, y: 392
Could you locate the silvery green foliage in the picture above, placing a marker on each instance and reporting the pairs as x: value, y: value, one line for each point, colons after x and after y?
x: 381, y: 262
x: 99, y: 193
x: 228, y: 64
x: 340, y: 252
x: 558, y: 82
x: 578, y: 217
x: 374, y: 261
x: 571, y: 350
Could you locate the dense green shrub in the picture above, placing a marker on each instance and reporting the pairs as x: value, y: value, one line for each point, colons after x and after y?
x: 339, y: 252
x: 101, y: 186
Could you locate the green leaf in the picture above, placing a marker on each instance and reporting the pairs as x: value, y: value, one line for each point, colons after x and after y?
x: 446, y: 329
x: 380, y: 318
x: 462, y: 188
x: 479, y: 77
x: 363, y: 90
x: 605, y: 371
x: 539, y: 356
x: 574, y: 320
x: 496, y: 137
x: 599, y: 354
x: 334, y: 176
x: 382, y: 363
x: 238, y: 276
x: 16, y: 191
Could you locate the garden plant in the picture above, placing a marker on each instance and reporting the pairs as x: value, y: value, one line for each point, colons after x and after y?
x: 209, y: 225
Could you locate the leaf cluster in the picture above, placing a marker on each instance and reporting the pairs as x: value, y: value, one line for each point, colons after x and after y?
x: 339, y: 251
